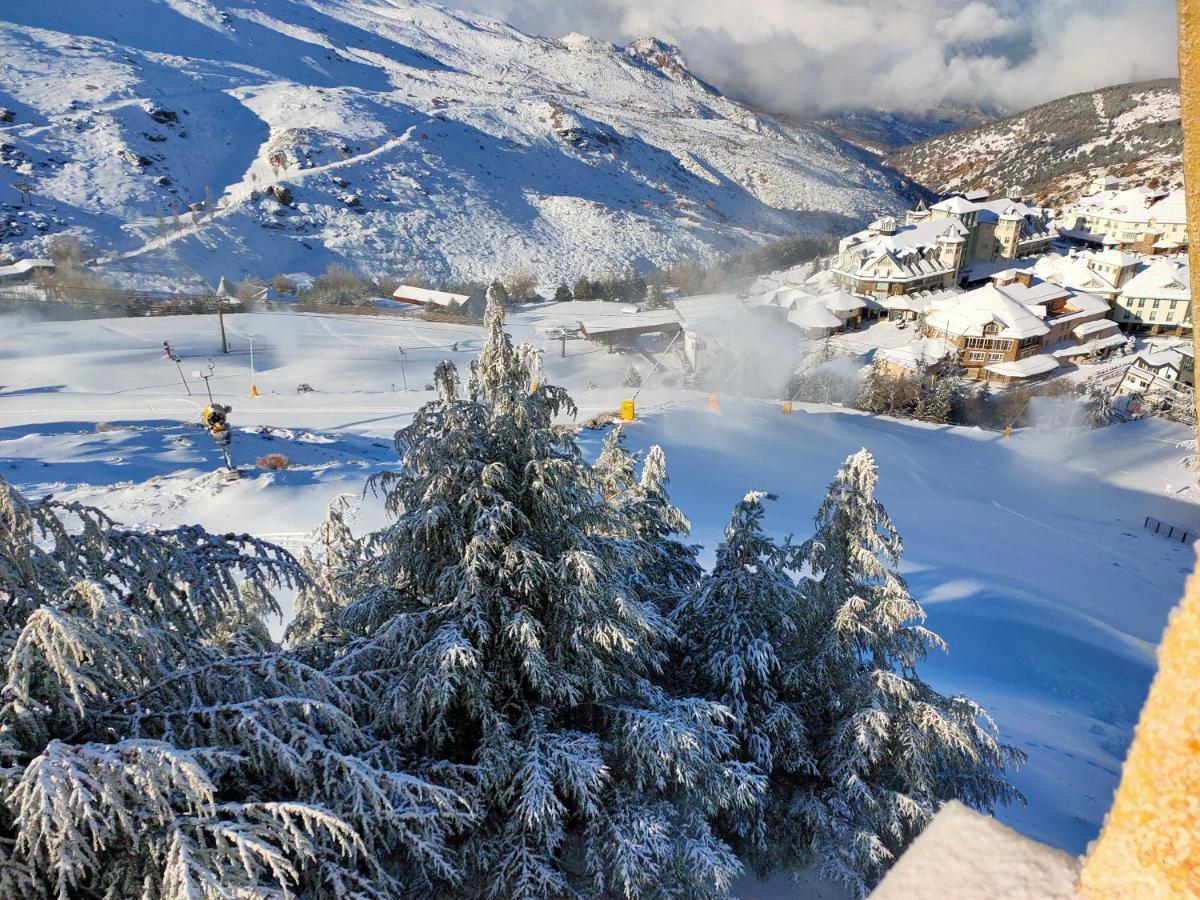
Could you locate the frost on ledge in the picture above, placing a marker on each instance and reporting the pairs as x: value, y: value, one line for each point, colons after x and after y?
x: 968, y: 856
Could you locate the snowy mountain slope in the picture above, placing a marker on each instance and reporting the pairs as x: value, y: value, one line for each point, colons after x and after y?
x: 1130, y: 130
x: 886, y: 131
x: 393, y: 135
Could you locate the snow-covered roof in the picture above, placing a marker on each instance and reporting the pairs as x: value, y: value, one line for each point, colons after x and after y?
x: 1114, y: 257
x: 813, y: 315
x: 692, y: 310
x: 956, y: 204
x: 1135, y: 206
x: 986, y: 210
x: 1075, y: 271
x: 1095, y: 327
x: 911, y: 248
x: 785, y: 297
x: 410, y: 294
x: 1168, y: 279
x: 969, y: 313
x: 1107, y: 342
x: 923, y: 351
x: 1028, y: 367
x: 630, y: 322
x: 24, y: 267
x: 917, y: 301
x: 1169, y: 356
x: 841, y: 301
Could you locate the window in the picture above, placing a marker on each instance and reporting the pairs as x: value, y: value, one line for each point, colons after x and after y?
x: 976, y: 357
x: 1156, y: 303
x: 995, y: 357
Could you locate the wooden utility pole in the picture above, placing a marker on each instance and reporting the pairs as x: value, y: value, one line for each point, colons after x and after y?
x: 221, y: 322
x: 222, y: 293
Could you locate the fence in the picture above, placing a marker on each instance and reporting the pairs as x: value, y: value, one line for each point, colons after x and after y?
x: 1169, y: 531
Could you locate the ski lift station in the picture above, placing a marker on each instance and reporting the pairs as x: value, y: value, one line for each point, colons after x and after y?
x: 618, y: 331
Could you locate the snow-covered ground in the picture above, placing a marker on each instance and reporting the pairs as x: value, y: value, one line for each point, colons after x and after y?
x: 406, y: 135
x: 1028, y: 552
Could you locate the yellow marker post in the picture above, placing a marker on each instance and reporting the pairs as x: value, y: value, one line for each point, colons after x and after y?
x: 626, y: 410
x: 714, y: 402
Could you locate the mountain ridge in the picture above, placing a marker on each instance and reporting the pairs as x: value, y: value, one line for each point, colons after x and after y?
x: 1053, y: 150
x: 250, y: 137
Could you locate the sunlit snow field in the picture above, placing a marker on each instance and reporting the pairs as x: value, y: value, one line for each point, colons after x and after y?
x: 1028, y: 552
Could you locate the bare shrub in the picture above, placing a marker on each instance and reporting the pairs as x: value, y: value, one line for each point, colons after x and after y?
x: 273, y: 462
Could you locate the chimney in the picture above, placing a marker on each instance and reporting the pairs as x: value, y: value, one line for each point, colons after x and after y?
x: 1025, y: 277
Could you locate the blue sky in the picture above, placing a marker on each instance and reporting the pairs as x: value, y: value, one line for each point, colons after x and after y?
x: 805, y: 56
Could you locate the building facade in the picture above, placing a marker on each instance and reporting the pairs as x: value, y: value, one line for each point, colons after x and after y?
x: 936, y: 245
x: 1141, y: 219
x: 1002, y: 330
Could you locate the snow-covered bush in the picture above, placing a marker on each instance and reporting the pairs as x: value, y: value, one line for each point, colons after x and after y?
x: 517, y: 653
x: 633, y: 378
x: 151, y: 747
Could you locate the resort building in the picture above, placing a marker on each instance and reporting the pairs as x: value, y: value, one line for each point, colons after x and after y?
x: 1005, y: 228
x: 1145, y: 293
x: 1157, y: 299
x: 937, y: 245
x: 1153, y: 371
x: 888, y: 259
x: 1002, y: 330
x: 1141, y: 219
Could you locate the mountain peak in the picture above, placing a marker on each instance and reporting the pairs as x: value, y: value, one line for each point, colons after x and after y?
x: 660, y: 55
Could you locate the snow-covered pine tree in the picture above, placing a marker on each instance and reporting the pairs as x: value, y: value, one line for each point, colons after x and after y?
x: 518, y: 657
x: 890, y: 750
x: 872, y: 395
x: 939, y: 400
x: 148, y: 748
x: 1097, y: 405
x: 669, y: 567
x: 633, y: 378
x: 883, y: 392
x: 331, y: 565
x: 742, y: 645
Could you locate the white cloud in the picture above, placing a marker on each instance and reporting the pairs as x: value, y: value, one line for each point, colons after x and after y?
x: 805, y: 56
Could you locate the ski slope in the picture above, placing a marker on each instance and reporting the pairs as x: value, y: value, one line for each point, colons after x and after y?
x: 1027, y: 552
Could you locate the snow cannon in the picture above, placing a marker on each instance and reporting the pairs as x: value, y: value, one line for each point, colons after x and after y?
x: 714, y: 402
x: 627, y: 411
x: 216, y: 420
x: 786, y: 407
x: 254, y: 390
